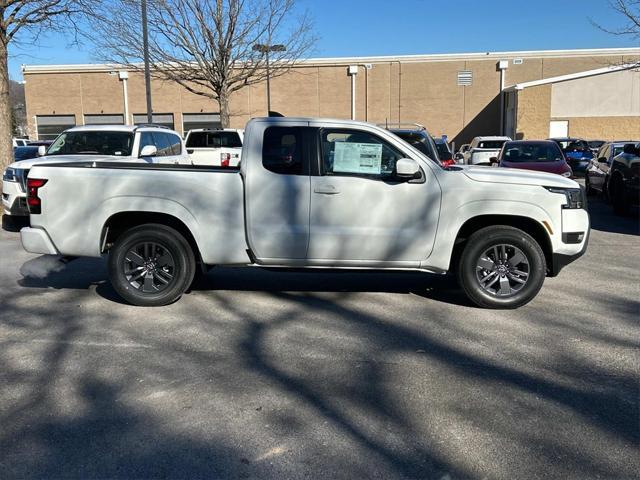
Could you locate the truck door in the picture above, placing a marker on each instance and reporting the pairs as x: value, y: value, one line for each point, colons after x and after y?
x: 277, y: 190
x: 361, y: 213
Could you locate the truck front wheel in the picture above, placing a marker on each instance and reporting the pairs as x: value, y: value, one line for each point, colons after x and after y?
x: 151, y: 265
x: 501, y: 267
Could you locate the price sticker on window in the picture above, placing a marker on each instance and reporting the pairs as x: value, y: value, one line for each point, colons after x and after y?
x: 365, y: 158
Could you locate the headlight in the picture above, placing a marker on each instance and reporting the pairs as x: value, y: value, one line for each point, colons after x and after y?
x: 575, y: 196
x: 10, y: 175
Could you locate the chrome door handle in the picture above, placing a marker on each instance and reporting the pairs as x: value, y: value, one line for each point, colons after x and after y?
x: 326, y: 189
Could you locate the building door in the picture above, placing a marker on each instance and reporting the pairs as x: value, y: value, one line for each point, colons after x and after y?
x: 558, y: 128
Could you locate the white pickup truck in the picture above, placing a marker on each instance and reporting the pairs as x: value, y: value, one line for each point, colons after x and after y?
x: 482, y: 149
x: 215, y: 147
x: 311, y: 193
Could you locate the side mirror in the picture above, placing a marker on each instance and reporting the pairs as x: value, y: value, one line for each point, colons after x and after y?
x: 407, y: 168
x: 493, y: 160
x: 149, y: 151
x: 42, y: 151
x: 602, y: 159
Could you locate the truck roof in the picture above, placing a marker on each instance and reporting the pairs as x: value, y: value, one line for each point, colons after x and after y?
x: 495, y: 137
x: 342, y: 121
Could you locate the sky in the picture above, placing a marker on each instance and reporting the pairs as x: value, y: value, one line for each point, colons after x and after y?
x: 404, y: 27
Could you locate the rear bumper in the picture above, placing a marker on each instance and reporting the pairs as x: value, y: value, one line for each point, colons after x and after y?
x: 36, y: 240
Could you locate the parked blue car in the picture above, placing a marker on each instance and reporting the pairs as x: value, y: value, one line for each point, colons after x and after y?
x: 577, y: 153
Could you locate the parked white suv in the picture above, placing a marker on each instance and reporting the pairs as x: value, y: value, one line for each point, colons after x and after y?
x: 148, y: 144
x: 215, y: 147
x: 482, y: 149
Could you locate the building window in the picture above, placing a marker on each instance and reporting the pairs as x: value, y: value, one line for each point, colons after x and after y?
x: 163, y: 119
x: 50, y: 126
x: 104, y: 119
x: 192, y: 121
x: 465, y: 78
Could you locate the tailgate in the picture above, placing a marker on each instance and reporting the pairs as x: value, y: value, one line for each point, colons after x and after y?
x: 482, y: 155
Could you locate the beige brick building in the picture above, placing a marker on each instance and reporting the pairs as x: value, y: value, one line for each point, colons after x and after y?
x: 457, y: 95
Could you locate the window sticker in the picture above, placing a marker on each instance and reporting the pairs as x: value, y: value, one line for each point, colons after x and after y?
x: 365, y: 158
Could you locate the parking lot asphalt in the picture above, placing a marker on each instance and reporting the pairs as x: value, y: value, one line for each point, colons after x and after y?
x: 350, y: 374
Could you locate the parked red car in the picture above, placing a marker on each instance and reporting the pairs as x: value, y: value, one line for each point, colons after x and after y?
x: 540, y: 155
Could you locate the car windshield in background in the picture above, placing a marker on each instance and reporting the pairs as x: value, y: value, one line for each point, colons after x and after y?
x: 117, y: 144
x: 573, y: 145
x: 596, y: 143
x: 24, y: 153
x: 617, y: 150
x: 531, y: 152
x: 491, y: 144
x: 443, y: 151
x: 416, y: 140
x: 214, y: 140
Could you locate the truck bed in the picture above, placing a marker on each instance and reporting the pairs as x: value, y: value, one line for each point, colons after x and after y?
x: 79, y: 198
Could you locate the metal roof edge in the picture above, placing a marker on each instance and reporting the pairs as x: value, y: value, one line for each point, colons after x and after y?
x: 573, y: 76
x: 101, y: 67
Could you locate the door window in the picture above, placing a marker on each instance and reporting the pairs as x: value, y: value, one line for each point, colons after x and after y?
x: 176, y: 144
x: 354, y: 152
x: 163, y: 144
x: 282, y: 150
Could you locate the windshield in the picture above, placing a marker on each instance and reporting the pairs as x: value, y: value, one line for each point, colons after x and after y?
x: 596, y: 143
x: 214, y: 140
x: 496, y: 144
x: 573, y: 145
x: 443, y: 151
x: 93, y: 143
x: 417, y: 141
x: 24, y: 153
x: 531, y: 152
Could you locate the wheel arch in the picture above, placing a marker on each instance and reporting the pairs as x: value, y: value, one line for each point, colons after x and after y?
x: 526, y: 224
x: 120, y: 222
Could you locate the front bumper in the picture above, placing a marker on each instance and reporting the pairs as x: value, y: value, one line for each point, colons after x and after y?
x: 559, y: 260
x: 14, y: 200
x: 36, y: 240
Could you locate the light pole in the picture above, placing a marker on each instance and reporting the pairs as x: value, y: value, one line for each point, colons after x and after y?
x: 265, y: 49
x: 147, y: 74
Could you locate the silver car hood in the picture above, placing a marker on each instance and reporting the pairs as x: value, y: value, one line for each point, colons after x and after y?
x: 516, y: 176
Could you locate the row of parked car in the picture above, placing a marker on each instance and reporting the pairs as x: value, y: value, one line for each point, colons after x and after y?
x: 609, y: 168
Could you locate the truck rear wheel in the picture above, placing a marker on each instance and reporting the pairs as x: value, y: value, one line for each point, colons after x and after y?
x: 151, y: 265
x: 501, y: 267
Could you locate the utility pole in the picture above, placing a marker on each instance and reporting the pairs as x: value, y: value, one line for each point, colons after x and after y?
x: 147, y: 73
x: 263, y: 48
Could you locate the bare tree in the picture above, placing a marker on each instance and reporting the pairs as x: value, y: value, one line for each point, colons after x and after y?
x: 211, y: 47
x: 24, y: 21
x: 629, y: 10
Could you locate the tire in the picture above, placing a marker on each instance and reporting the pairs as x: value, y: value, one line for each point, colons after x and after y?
x: 524, y: 279
x: 151, y: 265
x: 618, y: 197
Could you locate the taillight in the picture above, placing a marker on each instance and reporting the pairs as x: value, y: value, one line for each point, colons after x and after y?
x: 224, y: 159
x: 448, y: 163
x: 33, y: 201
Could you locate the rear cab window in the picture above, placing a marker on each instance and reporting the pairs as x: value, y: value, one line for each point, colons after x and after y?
x: 493, y: 144
x: 214, y: 139
x: 282, y: 151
